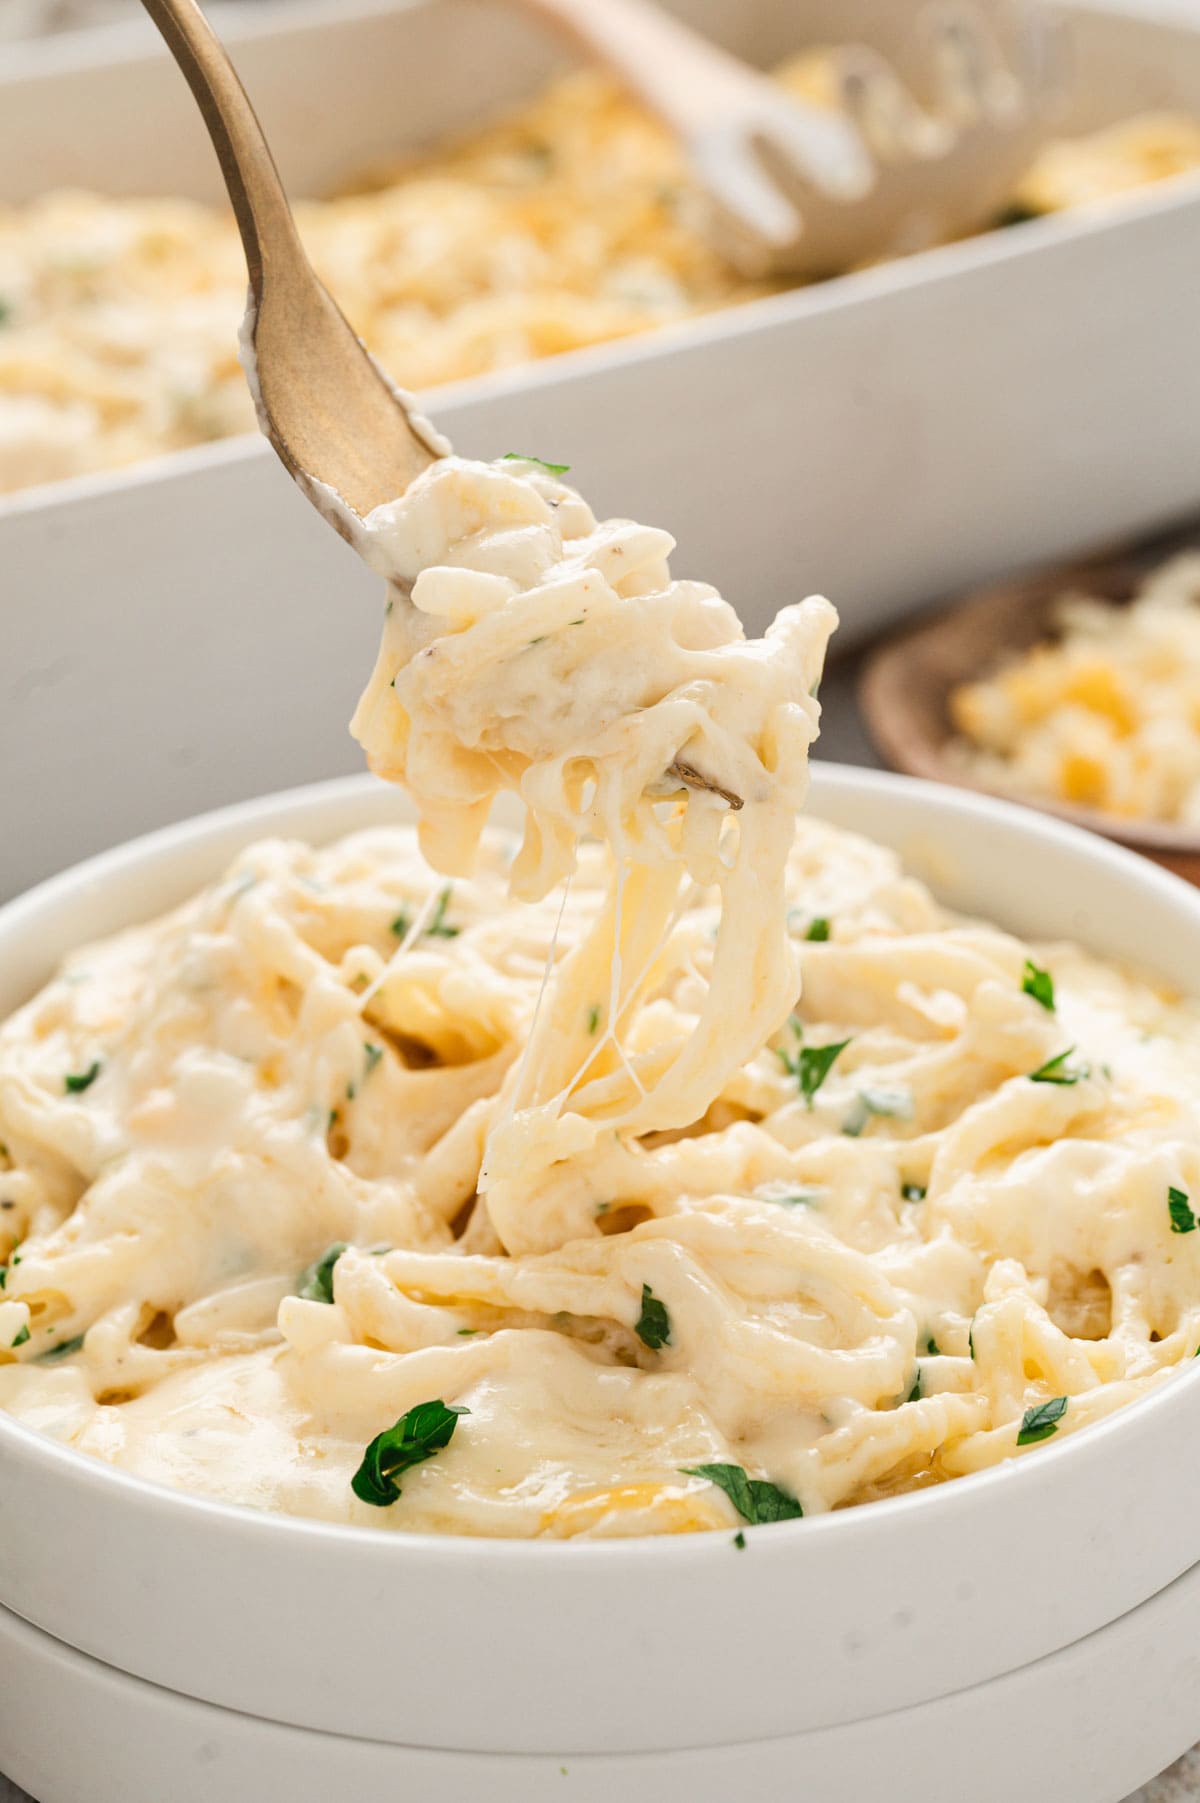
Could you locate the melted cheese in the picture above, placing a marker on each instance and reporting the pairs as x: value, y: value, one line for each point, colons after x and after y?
x: 547, y: 655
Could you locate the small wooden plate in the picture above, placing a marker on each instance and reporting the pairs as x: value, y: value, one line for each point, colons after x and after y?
x: 905, y: 685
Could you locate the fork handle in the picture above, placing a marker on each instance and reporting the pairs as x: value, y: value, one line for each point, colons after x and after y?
x: 688, y: 81
x: 256, y: 192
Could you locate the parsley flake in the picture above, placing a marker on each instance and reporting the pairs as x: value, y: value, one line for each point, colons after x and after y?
x: 913, y: 1192
x: 1041, y: 1421
x: 653, y: 1327
x: 417, y: 1435
x: 75, y: 1082
x: 914, y: 1395
x: 1017, y: 213
x: 755, y: 1499
x: 818, y: 930
x: 371, y: 1054
x: 315, y: 1283
x: 1182, y: 1218
x: 896, y: 1104
x: 1056, y: 1070
x: 810, y: 1065
x: 63, y: 1350
x: 593, y: 1017
x: 437, y: 928
x: 932, y: 1348
x: 554, y: 469
x: 739, y: 1540
x: 1039, y: 984
x: 21, y: 1337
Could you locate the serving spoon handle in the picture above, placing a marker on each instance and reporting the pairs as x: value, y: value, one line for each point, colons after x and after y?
x: 329, y: 411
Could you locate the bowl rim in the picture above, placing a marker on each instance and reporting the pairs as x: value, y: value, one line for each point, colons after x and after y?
x: 264, y: 815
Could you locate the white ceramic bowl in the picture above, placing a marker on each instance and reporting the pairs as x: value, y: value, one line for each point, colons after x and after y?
x: 622, y: 1647
x: 1087, y: 1724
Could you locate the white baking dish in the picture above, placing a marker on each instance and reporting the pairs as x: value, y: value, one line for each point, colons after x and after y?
x: 882, y: 437
x: 632, y: 1647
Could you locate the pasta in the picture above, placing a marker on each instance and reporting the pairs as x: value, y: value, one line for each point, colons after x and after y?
x: 572, y: 223
x: 456, y: 1202
x: 1107, y: 714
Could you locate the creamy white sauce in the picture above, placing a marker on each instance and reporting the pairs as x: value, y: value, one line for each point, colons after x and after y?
x: 865, y: 1288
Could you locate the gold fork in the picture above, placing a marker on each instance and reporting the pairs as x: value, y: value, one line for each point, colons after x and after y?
x: 328, y: 409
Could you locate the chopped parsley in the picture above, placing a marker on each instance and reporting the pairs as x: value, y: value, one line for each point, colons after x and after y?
x: 971, y: 1339
x: 437, y: 928
x: 21, y: 1337
x: 739, y: 1540
x: 754, y: 1498
x: 14, y: 1259
x: 913, y: 1192
x: 554, y: 469
x: 932, y: 1349
x: 797, y: 1198
x: 914, y: 1395
x: 1016, y: 213
x: 417, y: 1435
x: 315, y: 1283
x: 63, y: 1350
x: 1182, y: 1218
x: 1039, y: 984
x: 1040, y: 1422
x: 896, y: 1104
x: 810, y: 1064
x: 75, y: 1082
x: 593, y: 1017
x: 818, y: 930
x: 1056, y: 1070
x: 653, y: 1327
x: 465, y: 1333
x: 371, y: 1056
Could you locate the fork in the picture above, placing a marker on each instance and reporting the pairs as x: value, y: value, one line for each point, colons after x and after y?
x: 934, y: 122
x: 342, y: 429
x: 348, y: 437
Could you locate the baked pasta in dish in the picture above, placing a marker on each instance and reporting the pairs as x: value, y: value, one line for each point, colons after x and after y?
x: 1104, y: 715
x: 675, y: 1165
x: 572, y: 223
